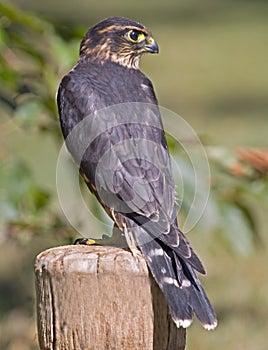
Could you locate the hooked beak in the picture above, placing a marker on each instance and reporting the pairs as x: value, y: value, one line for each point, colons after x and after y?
x: 151, y: 46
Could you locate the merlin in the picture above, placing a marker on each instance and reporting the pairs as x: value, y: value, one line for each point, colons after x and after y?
x: 112, y: 126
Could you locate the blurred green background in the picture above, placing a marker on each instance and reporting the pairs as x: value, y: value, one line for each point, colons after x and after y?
x: 212, y: 70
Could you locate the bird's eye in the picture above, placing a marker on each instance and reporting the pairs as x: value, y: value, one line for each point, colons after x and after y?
x: 135, y: 36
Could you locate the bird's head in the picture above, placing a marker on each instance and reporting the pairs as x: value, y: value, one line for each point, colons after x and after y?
x: 118, y: 40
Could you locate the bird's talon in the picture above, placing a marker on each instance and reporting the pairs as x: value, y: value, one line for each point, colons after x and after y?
x: 84, y: 241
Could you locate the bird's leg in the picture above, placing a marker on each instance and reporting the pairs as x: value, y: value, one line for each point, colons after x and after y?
x: 85, y: 241
x: 116, y: 240
x: 131, y: 242
x: 121, y: 239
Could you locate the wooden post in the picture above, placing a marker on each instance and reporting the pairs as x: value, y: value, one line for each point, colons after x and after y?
x: 100, y: 298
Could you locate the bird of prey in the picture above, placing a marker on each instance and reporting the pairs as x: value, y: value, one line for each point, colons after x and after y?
x: 111, y: 122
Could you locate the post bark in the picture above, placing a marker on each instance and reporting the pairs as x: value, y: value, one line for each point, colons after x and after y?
x: 100, y: 298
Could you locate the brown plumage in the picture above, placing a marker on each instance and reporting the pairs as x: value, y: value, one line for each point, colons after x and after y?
x: 112, y: 125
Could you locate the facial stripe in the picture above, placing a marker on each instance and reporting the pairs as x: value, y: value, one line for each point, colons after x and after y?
x: 117, y: 27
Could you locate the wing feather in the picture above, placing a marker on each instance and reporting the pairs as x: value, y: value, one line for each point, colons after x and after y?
x: 126, y: 163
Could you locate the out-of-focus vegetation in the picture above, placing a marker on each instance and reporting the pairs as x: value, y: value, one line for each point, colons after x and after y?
x: 221, y: 89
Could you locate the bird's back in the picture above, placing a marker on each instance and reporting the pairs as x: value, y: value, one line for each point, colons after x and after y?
x: 112, y: 125
x: 112, y: 114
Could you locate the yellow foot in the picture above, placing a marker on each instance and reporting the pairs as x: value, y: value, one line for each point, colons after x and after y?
x: 116, y: 240
x: 85, y: 241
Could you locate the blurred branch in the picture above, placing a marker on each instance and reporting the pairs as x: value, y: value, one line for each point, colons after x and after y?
x: 29, y: 21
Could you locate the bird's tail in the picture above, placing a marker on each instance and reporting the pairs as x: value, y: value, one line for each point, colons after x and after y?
x: 179, y: 283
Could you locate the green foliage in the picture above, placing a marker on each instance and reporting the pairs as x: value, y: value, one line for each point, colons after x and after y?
x: 33, y: 57
x: 239, y: 187
x: 28, y: 198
